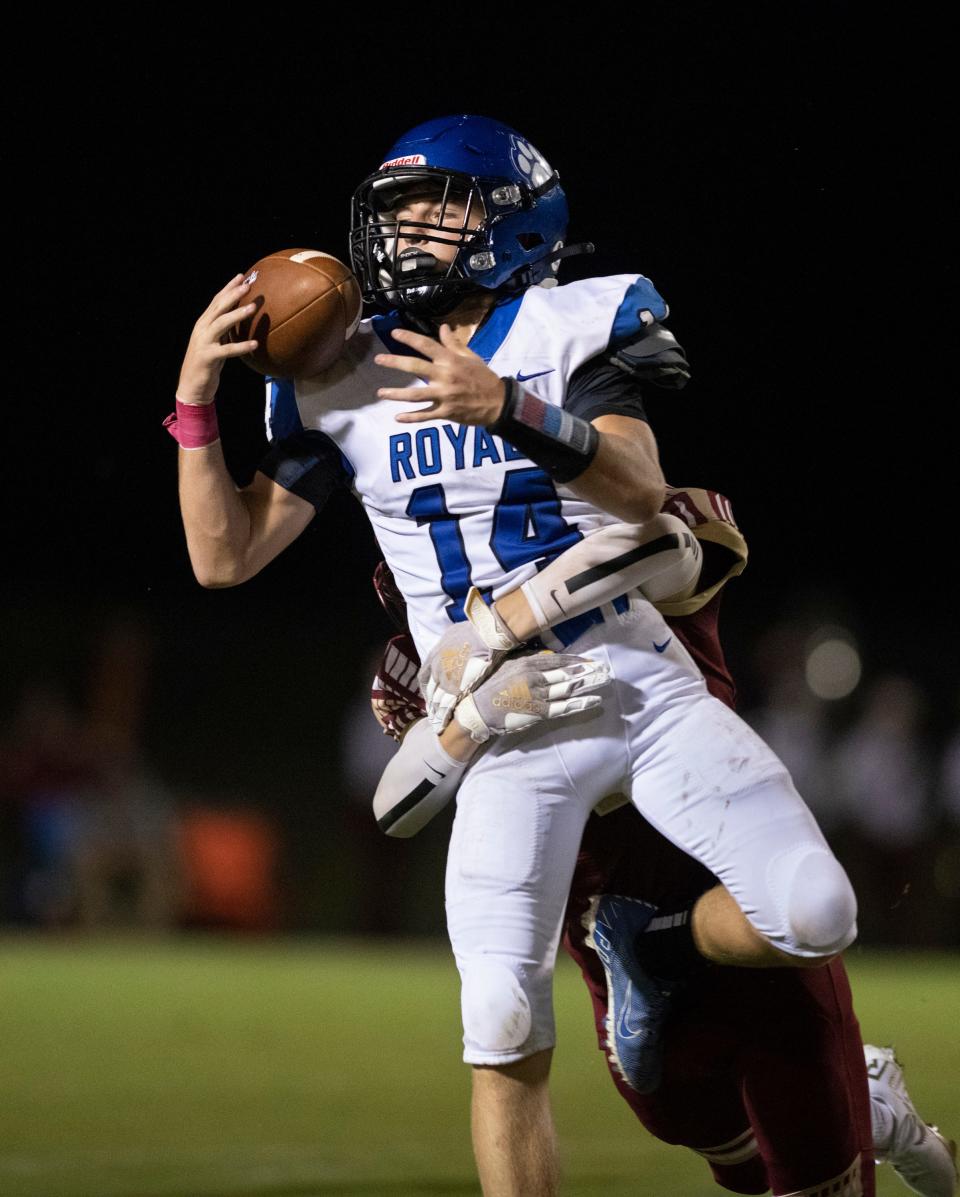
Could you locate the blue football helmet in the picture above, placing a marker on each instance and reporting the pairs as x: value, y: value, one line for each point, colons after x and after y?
x: 509, y: 219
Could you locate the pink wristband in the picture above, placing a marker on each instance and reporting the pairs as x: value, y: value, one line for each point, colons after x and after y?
x: 193, y: 425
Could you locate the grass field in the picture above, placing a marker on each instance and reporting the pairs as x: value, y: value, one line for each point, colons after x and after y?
x: 211, y: 1068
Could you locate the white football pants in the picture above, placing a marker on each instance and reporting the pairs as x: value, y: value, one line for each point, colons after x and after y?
x: 696, y: 772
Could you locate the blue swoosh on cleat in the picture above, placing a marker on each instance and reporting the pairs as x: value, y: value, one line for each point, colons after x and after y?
x: 524, y: 377
x: 624, y: 1030
x: 662, y: 648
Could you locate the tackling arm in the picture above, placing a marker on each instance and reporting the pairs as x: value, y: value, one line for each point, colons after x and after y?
x: 421, y: 778
x: 426, y: 771
x: 662, y: 557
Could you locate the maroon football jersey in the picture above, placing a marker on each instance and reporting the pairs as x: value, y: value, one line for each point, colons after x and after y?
x: 764, y: 1066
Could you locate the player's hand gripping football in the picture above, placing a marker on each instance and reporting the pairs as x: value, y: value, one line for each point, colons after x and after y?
x: 527, y: 690
x: 464, y: 656
x: 209, y: 347
x: 460, y: 386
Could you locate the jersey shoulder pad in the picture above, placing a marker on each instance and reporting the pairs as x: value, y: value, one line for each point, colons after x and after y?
x: 588, y: 304
x: 639, y: 343
x: 552, y: 328
x: 641, y: 308
x: 628, y: 303
x: 654, y: 356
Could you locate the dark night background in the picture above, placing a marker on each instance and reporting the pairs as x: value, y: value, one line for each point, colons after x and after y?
x: 776, y: 174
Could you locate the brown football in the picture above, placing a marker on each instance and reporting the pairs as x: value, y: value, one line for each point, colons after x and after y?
x: 308, y: 305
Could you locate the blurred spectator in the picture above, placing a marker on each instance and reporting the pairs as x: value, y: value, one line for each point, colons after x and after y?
x: 126, y: 863
x: 792, y: 720
x: 946, y: 862
x: 382, y: 863
x: 46, y: 766
x: 883, y: 775
x: 126, y: 856
x: 794, y: 723
x: 118, y: 686
x: 949, y: 790
x: 90, y: 832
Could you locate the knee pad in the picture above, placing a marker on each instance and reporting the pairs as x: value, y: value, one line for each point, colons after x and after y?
x: 821, y: 906
x: 496, y: 1010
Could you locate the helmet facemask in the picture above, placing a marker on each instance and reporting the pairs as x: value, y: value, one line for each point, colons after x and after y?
x: 394, y: 255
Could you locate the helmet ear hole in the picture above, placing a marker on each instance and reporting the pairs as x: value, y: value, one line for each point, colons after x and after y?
x: 530, y: 241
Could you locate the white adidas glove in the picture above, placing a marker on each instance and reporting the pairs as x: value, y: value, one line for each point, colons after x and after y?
x: 465, y: 655
x: 527, y: 690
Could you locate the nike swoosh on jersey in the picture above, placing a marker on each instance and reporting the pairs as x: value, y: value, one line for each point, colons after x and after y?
x: 524, y: 377
x: 662, y: 648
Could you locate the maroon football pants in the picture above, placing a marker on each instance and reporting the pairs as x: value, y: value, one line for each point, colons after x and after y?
x: 763, y: 1069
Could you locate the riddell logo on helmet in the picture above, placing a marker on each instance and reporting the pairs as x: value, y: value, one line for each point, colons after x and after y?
x: 410, y: 160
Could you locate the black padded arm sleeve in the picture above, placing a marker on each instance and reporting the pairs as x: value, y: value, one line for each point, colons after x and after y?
x: 616, y: 381
x: 598, y: 388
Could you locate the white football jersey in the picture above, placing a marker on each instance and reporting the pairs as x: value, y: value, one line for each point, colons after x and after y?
x: 452, y: 505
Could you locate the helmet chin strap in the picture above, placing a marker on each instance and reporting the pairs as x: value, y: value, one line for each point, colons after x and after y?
x: 421, y: 270
x: 535, y: 273
x: 427, y: 313
x: 418, y: 268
